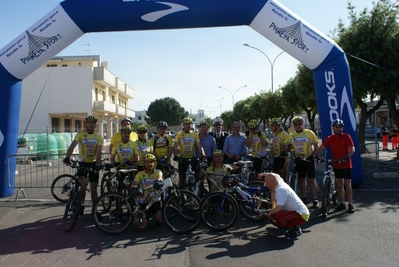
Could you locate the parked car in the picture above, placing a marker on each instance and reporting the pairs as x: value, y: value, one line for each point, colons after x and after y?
x: 150, y: 135
x: 155, y: 134
x: 172, y: 134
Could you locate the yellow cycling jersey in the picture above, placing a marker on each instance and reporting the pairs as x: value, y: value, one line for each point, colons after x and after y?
x: 145, y: 181
x: 162, y: 145
x: 144, y: 148
x: 88, y: 144
x: 217, y: 175
x: 256, y: 147
x: 187, y: 144
x: 118, y: 137
x: 302, y: 142
x: 125, y: 151
x: 278, y: 140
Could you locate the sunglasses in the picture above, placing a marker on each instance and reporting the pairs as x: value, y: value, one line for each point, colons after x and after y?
x: 141, y: 132
x: 297, y: 124
x: 338, y: 126
x: 218, y: 156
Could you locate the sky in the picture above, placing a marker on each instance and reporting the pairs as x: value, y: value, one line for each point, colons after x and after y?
x: 189, y: 65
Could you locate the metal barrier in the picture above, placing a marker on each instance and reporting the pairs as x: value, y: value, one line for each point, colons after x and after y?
x: 369, y: 154
x: 37, y: 173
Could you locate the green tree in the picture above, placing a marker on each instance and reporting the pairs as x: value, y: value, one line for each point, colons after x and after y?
x: 305, y: 92
x: 166, y: 109
x: 372, y: 36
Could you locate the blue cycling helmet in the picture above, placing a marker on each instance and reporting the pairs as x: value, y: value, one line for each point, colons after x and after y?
x: 337, y: 122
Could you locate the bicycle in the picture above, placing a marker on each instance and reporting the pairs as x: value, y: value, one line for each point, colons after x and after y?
x: 61, y: 185
x: 330, y: 189
x: 293, y: 178
x: 179, y: 209
x: 219, y: 210
x: 247, y: 174
x: 190, y: 181
x: 119, y: 181
x: 74, y: 204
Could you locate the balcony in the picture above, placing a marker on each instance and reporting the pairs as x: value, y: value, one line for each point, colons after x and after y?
x: 119, y: 86
x: 128, y: 92
x: 130, y: 113
x: 104, y: 77
x: 121, y: 110
x: 104, y: 106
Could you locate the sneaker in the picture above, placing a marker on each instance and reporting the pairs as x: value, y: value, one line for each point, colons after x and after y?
x: 294, y: 233
x: 305, y: 200
x: 341, y: 206
x: 315, y: 204
x: 350, y: 208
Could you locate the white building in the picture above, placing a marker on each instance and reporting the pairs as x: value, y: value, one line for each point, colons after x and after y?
x: 63, y: 91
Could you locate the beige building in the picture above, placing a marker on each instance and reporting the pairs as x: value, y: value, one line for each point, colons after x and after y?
x: 63, y: 91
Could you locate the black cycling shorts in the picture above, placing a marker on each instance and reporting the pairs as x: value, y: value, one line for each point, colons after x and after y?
x: 278, y: 163
x: 306, y: 169
x: 93, y: 178
x: 343, y: 173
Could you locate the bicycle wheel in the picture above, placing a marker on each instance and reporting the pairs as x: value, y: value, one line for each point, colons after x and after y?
x: 61, y: 187
x: 192, y: 187
x: 219, y: 211
x: 262, y: 202
x: 326, y: 198
x: 72, y: 211
x: 115, y: 216
x: 335, y: 196
x: 293, y: 180
x: 251, y: 177
x: 180, y: 213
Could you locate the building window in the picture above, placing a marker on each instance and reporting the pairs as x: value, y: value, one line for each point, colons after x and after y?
x: 68, y: 125
x: 51, y: 65
x: 55, y: 125
x: 78, y: 124
x: 113, y: 99
x: 65, y: 65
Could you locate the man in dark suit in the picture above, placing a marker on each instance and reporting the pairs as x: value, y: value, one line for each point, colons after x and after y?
x: 217, y: 133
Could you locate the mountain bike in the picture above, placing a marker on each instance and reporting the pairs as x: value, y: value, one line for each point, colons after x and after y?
x: 330, y: 189
x: 190, y: 182
x: 219, y: 210
x: 73, y: 206
x: 179, y: 209
x: 61, y: 185
x: 247, y: 173
x: 293, y: 180
x: 119, y: 181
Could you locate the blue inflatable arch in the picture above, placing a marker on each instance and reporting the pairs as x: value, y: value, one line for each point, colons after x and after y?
x: 72, y: 18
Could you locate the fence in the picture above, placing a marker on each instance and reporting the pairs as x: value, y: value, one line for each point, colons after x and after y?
x: 37, y: 173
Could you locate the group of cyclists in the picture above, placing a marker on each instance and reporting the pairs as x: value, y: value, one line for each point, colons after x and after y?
x: 221, y: 150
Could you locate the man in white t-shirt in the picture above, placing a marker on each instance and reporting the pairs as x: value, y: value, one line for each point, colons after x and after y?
x: 288, y: 209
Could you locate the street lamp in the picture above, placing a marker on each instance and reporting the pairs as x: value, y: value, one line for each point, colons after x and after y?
x: 220, y: 105
x: 232, y: 94
x: 213, y: 110
x: 271, y: 63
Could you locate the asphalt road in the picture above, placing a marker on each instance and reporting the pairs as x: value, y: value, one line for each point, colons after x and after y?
x: 32, y: 235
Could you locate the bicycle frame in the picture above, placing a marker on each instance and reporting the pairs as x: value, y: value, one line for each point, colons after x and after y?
x: 248, y: 194
x: 330, y: 190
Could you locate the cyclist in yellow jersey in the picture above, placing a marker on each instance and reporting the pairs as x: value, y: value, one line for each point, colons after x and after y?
x: 126, y: 151
x: 144, y: 146
x: 145, y: 180
x: 186, y: 142
x: 90, y: 146
x: 255, y: 142
x: 304, y: 143
x: 163, y: 144
x: 278, y: 148
x: 218, y: 169
x: 125, y: 122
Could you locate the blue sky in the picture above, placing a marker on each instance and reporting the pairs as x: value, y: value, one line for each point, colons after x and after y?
x: 188, y: 64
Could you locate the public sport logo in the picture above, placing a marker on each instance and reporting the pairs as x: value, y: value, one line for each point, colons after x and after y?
x: 336, y: 107
x: 156, y: 15
x: 39, y: 45
x: 292, y: 34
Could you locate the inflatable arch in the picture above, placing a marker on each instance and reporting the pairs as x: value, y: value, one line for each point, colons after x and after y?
x: 72, y: 18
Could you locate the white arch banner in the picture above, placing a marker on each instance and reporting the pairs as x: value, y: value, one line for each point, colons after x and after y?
x: 72, y: 18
